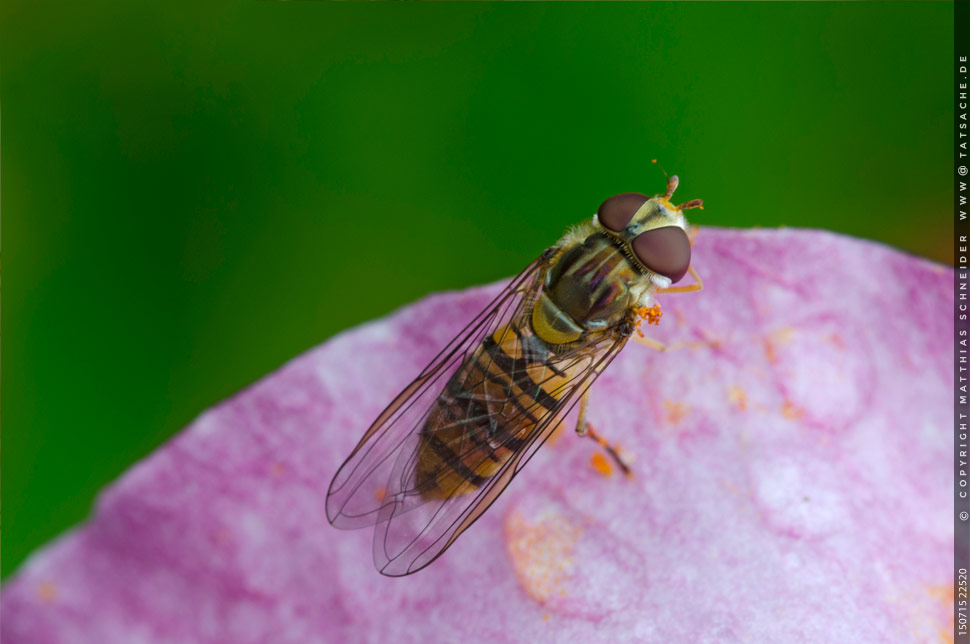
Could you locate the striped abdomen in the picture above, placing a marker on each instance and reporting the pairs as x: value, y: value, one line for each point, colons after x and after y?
x: 487, y: 411
x: 492, y: 404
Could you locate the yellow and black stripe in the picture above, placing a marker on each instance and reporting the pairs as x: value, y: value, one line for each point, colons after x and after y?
x: 492, y: 405
x: 488, y: 411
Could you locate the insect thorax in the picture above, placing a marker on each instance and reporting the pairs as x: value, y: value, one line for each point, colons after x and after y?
x: 590, y: 287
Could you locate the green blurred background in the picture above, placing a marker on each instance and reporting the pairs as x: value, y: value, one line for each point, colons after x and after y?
x: 195, y: 195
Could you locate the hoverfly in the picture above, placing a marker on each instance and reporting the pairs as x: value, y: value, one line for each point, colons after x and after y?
x: 440, y: 454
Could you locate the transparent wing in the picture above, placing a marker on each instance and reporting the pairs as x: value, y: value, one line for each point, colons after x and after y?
x: 357, y: 491
x: 496, y: 418
x: 413, y: 532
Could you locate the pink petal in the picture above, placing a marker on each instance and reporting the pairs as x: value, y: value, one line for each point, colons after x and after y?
x: 790, y: 473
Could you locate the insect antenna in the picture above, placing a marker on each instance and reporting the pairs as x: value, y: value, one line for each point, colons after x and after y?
x: 672, y: 181
x: 693, y: 203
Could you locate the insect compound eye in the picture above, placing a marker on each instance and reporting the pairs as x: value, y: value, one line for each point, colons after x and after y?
x: 665, y: 251
x: 617, y: 211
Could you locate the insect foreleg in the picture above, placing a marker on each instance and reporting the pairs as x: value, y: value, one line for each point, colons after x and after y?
x: 698, y: 285
x: 650, y: 342
x: 660, y: 346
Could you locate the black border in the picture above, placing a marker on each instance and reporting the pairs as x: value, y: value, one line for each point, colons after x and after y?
x: 961, y: 326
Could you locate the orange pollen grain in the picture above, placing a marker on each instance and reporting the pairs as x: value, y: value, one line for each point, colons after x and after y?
x: 790, y: 410
x: 770, y: 351
x: 380, y: 493
x: 737, y: 397
x: 47, y: 591
x: 676, y: 411
x: 600, y: 464
x: 651, y: 314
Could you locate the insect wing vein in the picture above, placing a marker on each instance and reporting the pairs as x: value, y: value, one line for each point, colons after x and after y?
x: 410, y: 538
x: 440, y: 454
x: 355, y: 497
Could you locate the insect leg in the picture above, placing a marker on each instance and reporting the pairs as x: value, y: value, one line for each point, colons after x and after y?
x: 592, y: 433
x: 650, y: 342
x: 585, y: 429
x: 660, y: 346
x: 581, y: 421
x: 698, y: 285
